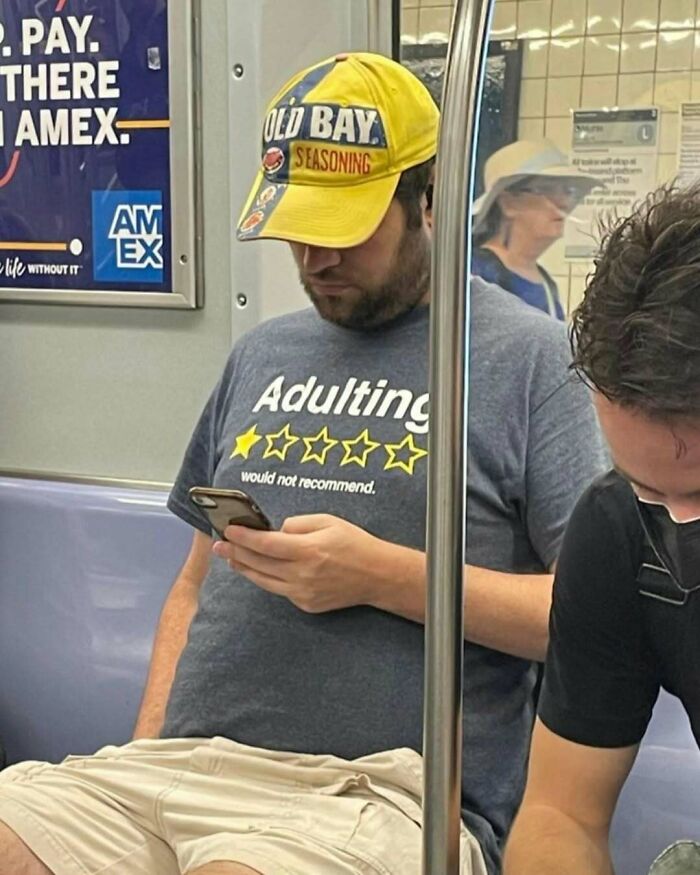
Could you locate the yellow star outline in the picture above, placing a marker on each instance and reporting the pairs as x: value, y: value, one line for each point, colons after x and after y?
x: 406, y: 465
x: 246, y: 442
x: 321, y: 453
x: 287, y: 440
x: 359, y: 458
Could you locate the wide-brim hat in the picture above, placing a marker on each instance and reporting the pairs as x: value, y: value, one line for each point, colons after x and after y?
x: 336, y: 139
x: 523, y: 160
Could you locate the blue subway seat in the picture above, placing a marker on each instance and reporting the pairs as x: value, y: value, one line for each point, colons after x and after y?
x: 660, y: 802
x: 84, y: 571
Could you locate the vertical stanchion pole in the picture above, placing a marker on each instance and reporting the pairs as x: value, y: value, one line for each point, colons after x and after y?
x: 449, y: 380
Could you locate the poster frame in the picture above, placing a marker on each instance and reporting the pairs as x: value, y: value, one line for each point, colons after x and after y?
x: 512, y: 53
x: 185, y: 107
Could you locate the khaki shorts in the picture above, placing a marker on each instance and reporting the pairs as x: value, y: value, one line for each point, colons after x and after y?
x: 682, y: 858
x: 166, y: 807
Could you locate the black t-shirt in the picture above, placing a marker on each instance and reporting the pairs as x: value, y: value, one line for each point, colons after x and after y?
x: 613, y: 641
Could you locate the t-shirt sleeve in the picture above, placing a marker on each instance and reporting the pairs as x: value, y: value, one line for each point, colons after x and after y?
x: 565, y: 454
x: 600, y: 683
x: 202, y: 454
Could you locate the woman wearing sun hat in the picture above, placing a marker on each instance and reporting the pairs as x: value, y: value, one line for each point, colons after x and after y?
x: 530, y: 190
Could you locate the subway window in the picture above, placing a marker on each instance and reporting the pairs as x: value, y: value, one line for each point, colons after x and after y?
x: 612, y: 85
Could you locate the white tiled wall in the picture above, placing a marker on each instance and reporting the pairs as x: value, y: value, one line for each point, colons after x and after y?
x: 589, y: 54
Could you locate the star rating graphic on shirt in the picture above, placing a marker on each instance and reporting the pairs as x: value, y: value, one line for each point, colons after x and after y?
x: 318, y: 447
x: 278, y: 445
x: 245, y: 443
x: 357, y: 450
x: 402, y: 456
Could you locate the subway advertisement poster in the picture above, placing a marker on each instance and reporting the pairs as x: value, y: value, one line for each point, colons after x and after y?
x: 85, y: 169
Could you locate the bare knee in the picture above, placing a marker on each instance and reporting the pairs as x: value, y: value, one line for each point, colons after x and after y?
x: 220, y: 869
x: 15, y: 856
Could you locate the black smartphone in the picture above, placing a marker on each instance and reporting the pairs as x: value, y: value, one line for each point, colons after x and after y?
x: 228, y: 507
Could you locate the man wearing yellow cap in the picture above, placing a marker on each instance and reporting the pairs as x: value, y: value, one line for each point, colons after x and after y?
x: 280, y: 731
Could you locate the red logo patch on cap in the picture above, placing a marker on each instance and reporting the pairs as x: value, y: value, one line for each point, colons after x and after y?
x: 273, y: 159
x: 253, y: 220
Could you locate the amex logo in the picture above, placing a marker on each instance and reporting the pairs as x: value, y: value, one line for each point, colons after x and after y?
x: 137, y: 230
x: 128, y: 230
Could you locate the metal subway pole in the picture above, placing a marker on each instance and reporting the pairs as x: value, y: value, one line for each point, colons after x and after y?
x: 449, y: 363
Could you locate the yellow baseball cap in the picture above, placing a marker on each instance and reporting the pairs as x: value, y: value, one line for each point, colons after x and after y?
x: 336, y: 139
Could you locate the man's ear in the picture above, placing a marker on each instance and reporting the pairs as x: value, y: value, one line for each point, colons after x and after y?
x: 428, y: 209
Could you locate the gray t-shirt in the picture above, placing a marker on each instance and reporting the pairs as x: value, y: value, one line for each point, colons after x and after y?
x: 313, y: 418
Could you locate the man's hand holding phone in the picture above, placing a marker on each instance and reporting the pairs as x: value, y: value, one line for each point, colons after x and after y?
x: 319, y: 562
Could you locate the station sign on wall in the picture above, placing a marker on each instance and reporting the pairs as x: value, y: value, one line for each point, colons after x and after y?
x: 97, y: 153
x: 689, y: 144
x: 620, y: 148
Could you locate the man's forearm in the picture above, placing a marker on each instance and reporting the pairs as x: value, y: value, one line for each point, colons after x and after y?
x: 170, y: 641
x: 505, y: 612
x: 546, y: 842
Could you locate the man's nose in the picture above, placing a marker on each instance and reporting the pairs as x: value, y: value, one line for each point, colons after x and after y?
x: 319, y: 258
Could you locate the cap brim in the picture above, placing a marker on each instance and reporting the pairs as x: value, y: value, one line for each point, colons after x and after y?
x: 334, y: 216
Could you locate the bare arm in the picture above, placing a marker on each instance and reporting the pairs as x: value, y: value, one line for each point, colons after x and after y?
x: 503, y: 611
x: 571, y: 793
x: 323, y: 563
x: 171, y: 636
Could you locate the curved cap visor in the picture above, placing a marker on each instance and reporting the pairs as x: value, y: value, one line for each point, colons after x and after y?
x: 336, y: 217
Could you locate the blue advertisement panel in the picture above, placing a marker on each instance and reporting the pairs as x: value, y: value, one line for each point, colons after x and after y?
x: 85, y: 171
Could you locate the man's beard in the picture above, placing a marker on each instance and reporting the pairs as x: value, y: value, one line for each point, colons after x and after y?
x: 364, y: 308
